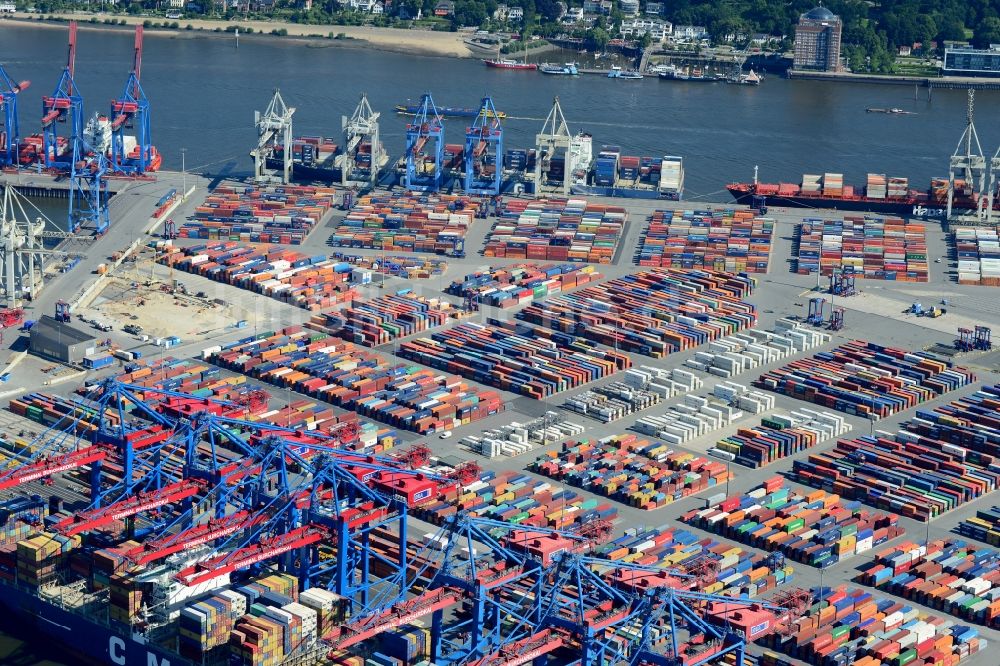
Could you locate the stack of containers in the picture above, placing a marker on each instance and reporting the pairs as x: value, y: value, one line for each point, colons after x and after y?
x: 736, y: 570
x: 435, y: 223
x: 727, y: 240
x: 507, y: 286
x: 876, y: 186
x: 17, y: 515
x: 330, y: 608
x: 557, y: 230
x: 850, y: 626
x: 310, y: 282
x: 203, y: 381
x: 260, y: 214
x: 408, y: 268
x: 50, y: 410
x: 899, y: 188
x: 516, y: 357
x: 873, y: 248
x: 779, y: 436
x: 381, y: 320
x: 606, y: 167
x: 655, y: 313
x: 951, y: 575
x: 515, y: 438
x: 939, y: 189
x: 257, y: 641
x: 978, y: 252
x: 206, y: 624
x: 42, y: 557
x: 344, y: 374
x: 612, y: 402
x: 699, y: 415
x: 985, y: 526
x: 407, y: 644
x: 640, y: 473
x: 866, y: 379
x: 814, y: 528
x: 628, y: 169
x: 921, y: 471
x: 752, y: 348
x: 520, y: 499
x: 810, y: 183
x: 833, y: 185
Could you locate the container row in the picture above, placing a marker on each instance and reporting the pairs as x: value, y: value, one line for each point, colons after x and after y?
x: 507, y: 286
x: 434, y: 223
x: 516, y: 357
x: 378, y: 321
x: 779, y: 436
x: 637, y: 472
x: 977, y: 251
x: 654, y: 313
x: 852, y: 626
x: 312, y: 282
x: 815, y: 527
x: 356, y: 378
x: 949, y: 575
x: 868, y: 247
x: 557, y: 230
x: 726, y: 240
x: 866, y: 379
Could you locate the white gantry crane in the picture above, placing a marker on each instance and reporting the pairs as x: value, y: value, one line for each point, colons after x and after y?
x: 554, y: 137
x: 364, y: 155
x: 967, y: 167
x: 274, y: 129
x: 22, y: 249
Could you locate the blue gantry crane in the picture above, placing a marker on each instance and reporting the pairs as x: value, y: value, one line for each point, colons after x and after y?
x: 10, y: 133
x: 131, y: 111
x: 194, y: 481
x: 484, y: 152
x: 63, y: 106
x: 425, y: 148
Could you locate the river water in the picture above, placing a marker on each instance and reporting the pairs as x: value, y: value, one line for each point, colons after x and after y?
x: 204, y: 90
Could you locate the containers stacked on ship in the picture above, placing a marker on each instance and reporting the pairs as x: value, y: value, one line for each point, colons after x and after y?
x: 313, y: 158
x: 628, y: 170
x: 606, y: 166
x: 671, y: 182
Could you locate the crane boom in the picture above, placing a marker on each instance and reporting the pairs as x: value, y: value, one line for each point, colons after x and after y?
x: 344, y: 636
x: 524, y: 650
x: 49, y: 466
x: 245, y: 557
x: 153, y: 499
x: 159, y: 549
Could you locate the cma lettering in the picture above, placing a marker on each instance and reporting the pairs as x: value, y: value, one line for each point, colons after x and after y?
x: 922, y: 211
x: 116, y: 650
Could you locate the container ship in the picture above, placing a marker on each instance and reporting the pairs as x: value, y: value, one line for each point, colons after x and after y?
x: 313, y: 158
x: 98, y: 135
x: 446, y: 111
x: 617, y: 175
x: 890, y: 196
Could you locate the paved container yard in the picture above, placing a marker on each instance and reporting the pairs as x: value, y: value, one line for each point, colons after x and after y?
x: 877, y: 314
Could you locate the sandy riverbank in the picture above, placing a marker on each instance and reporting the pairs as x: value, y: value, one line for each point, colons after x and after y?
x: 398, y: 40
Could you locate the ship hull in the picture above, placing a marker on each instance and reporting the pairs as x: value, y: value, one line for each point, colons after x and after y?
x: 621, y: 192
x: 506, y: 65
x: 89, y: 642
x: 303, y: 172
x: 906, y: 208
